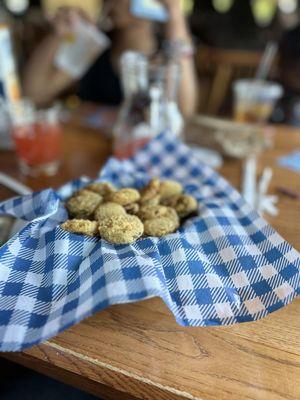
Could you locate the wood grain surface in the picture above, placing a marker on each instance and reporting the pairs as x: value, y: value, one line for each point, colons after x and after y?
x: 137, y: 351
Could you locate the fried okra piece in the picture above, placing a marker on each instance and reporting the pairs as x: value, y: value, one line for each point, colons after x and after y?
x: 150, y: 193
x: 121, y: 229
x: 185, y: 205
x: 125, y: 196
x: 159, y: 220
x: 83, y: 205
x: 152, y: 212
x: 105, y: 189
x: 81, y: 226
x: 132, y: 208
x: 159, y: 226
x: 108, y: 209
x: 154, y: 201
x: 169, y: 189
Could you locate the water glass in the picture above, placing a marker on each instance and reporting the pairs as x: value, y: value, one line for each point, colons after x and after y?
x: 254, y: 100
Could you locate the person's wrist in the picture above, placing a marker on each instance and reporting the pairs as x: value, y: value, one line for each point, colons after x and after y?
x: 179, y: 48
x: 178, y: 31
x: 176, y: 16
x: 177, y: 23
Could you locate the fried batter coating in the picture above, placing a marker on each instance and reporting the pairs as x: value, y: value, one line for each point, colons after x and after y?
x: 107, y: 210
x: 150, y: 191
x: 103, y: 188
x: 121, y: 229
x: 154, y: 201
x: 159, y: 226
x: 170, y: 201
x: 132, y: 208
x: 153, y: 212
x: 83, y: 205
x: 172, y: 214
x: 150, y: 212
x: 169, y: 188
x: 185, y: 205
x: 81, y: 226
x: 125, y: 196
x: 123, y: 216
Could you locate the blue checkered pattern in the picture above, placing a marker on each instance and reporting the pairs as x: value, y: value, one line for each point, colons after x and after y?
x: 223, y: 267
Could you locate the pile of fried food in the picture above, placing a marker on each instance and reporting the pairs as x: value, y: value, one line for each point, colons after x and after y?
x: 123, y: 216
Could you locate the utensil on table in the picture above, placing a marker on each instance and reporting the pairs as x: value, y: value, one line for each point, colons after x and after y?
x: 14, y: 185
x: 292, y: 194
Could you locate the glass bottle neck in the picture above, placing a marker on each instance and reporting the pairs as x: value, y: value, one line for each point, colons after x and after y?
x: 134, y: 72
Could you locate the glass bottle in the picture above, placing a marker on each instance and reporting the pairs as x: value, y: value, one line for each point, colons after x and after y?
x: 132, y: 129
x: 150, y: 103
x: 167, y: 77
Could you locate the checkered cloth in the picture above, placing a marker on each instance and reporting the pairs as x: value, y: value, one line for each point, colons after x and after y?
x: 223, y: 267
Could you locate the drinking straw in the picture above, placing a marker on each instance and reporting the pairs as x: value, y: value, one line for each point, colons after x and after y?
x: 266, y: 61
x: 264, y: 66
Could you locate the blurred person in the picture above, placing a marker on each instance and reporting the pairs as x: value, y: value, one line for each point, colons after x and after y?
x: 43, y: 82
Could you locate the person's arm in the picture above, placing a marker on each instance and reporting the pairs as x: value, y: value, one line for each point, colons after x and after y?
x: 42, y: 80
x: 177, y: 31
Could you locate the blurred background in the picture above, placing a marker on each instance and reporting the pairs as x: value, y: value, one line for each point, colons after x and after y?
x: 220, y: 74
x: 229, y: 36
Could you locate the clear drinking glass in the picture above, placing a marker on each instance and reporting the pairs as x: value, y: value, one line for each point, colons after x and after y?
x: 254, y: 100
x: 37, y: 138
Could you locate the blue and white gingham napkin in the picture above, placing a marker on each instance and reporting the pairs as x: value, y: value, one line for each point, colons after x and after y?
x: 225, y: 266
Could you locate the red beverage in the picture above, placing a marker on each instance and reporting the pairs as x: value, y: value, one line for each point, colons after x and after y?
x: 37, y: 146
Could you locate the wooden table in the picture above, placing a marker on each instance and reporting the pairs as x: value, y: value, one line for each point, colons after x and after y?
x: 137, y: 351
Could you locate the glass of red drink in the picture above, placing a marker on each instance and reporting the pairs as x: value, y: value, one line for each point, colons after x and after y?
x: 37, y: 138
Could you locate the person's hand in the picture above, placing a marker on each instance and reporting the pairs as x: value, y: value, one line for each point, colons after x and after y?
x: 66, y: 18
